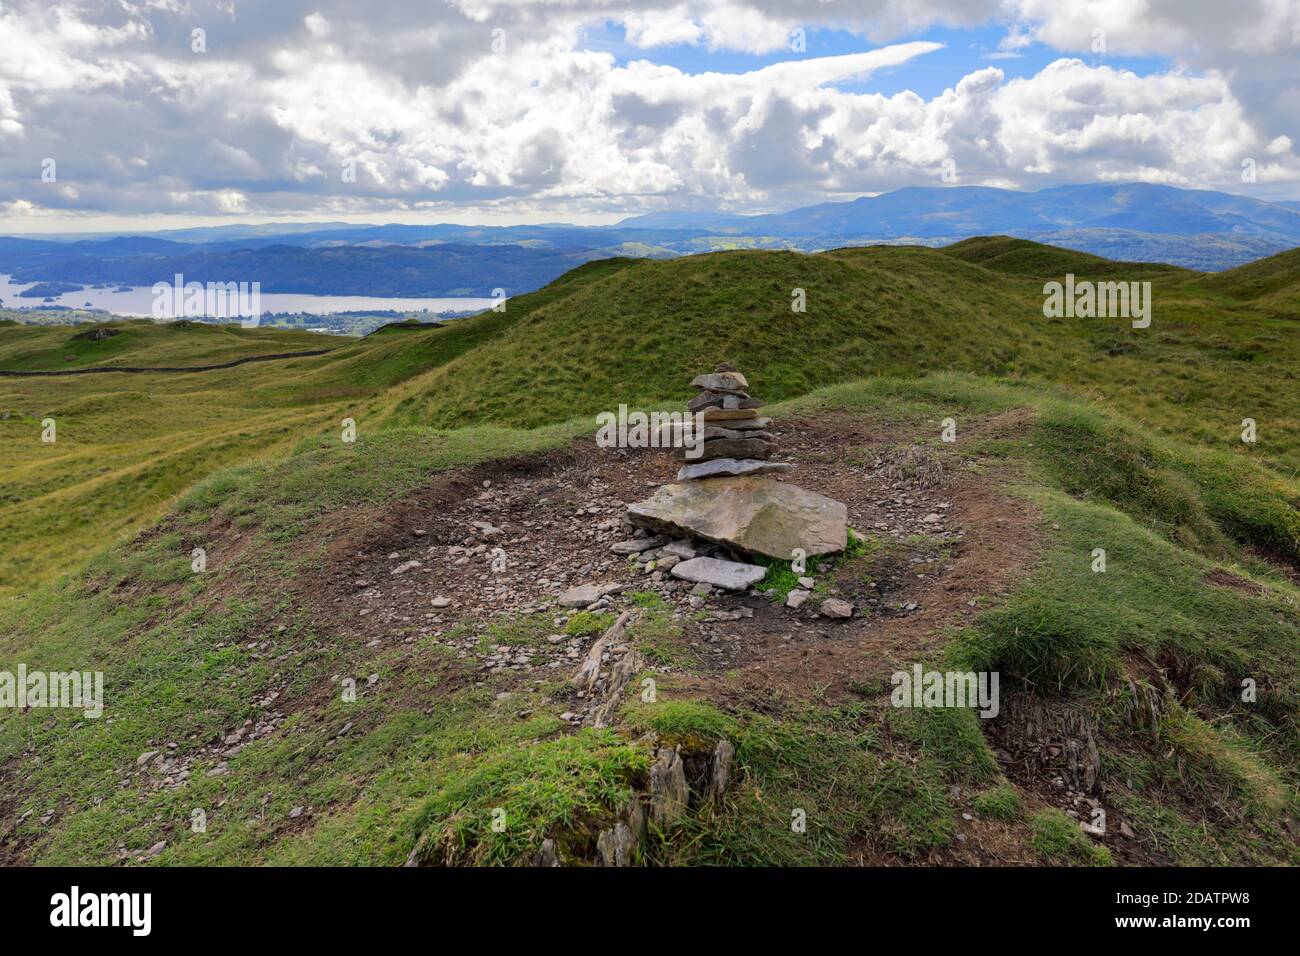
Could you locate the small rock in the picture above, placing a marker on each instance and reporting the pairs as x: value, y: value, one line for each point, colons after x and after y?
x: 668, y: 790
x: 296, y: 812
x: 441, y: 602
x: 581, y: 596
x: 796, y: 597
x: 834, y: 607
x: 681, y: 548
x: 616, y: 846
x: 546, y: 854
x: 720, y: 770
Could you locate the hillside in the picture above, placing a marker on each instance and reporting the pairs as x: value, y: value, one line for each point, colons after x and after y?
x: 1208, y: 360
x: 125, y: 445
x: 1272, y: 283
x: 621, y: 331
x: 349, y: 677
x: 137, y: 342
x: 466, y: 741
x: 1022, y: 257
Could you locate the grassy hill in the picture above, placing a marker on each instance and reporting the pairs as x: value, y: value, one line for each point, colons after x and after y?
x: 1124, y: 688
x: 126, y: 444
x: 1220, y: 349
x: 1022, y: 257
x: 223, y: 688
x: 137, y: 342
x: 630, y: 334
x: 1272, y: 283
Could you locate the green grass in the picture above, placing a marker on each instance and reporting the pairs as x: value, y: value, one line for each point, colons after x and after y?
x: 142, y: 343
x: 1195, y: 527
x: 1000, y: 803
x: 128, y: 444
x: 423, y: 769
x: 781, y: 578
x: 1058, y: 839
x: 827, y: 772
x: 587, y: 623
x: 1220, y: 349
x: 1212, y: 356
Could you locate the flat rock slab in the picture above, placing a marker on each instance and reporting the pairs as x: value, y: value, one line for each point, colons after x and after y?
x: 721, y: 382
x: 740, y: 424
x: 716, y: 431
x: 731, y: 575
x: 637, y: 545
x: 736, y: 448
x: 731, y: 467
x: 585, y: 594
x: 734, y: 416
x: 681, y: 548
x: 753, y: 513
x: 727, y: 400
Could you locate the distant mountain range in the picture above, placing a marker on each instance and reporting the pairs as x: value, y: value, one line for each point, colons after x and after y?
x: 1199, y: 229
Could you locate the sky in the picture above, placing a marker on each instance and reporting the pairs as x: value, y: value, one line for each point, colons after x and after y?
x: 153, y: 114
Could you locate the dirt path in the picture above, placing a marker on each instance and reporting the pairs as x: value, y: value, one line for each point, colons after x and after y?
x: 138, y: 370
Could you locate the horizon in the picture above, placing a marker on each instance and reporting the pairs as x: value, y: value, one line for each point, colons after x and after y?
x: 608, y: 220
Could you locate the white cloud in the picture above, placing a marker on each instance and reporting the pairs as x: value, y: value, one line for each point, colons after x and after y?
x: 412, y: 97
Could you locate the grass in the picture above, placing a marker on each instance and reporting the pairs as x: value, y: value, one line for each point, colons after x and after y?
x: 1212, y: 356
x: 811, y: 785
x: 139, y: 342
x: 588, y: 623
x: 408, y: 776
x: 126, y: 445
x: 1000, y: 803
x: 1058, y: 839
x: 1220, y: 349
x: 781, y: 578
x: 429, y: 760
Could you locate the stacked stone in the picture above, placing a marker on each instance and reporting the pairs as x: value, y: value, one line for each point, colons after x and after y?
x: 736, y: 440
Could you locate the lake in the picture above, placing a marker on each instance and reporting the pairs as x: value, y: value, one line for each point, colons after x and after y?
x: 138, y: 301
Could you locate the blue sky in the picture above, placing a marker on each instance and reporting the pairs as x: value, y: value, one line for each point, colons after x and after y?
x: 964, y: 51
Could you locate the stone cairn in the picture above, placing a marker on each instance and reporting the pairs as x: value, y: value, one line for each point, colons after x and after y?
x: 736, y: 441
x: 727, y: 499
